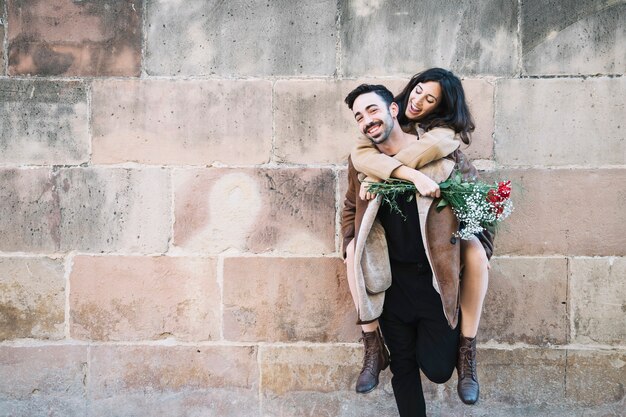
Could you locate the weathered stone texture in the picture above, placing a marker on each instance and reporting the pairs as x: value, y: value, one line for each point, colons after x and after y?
x: 565, y: 211
x: 319, y: 381
x: 182, y: 122
x: 312, y: 123
x: 480, y: 99
x: 504, y: 376
x: 142, y: 298
x: 239, y: 38
x: 526, y: 301
x: 471, y: 37
x: 48, y: 379
x: 86, y: 209
x: 32, y: 298
x: 255, y: 210
x: 80, y: 38
x: 596, y: 378
x: 43, y: 122
x: 584, y: 126
x: 265, y: 299
x: 573, y: 37
x: 174, y: 380
x: 598, y: 300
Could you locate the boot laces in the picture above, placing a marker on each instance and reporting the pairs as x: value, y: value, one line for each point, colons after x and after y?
x: 371, y: 354
x: 468, y: 361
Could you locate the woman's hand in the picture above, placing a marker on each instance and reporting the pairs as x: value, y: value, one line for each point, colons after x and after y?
x: 425, y: 186
x: 364, y: 194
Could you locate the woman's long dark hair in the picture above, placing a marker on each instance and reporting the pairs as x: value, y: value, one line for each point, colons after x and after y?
x: 452, y: 110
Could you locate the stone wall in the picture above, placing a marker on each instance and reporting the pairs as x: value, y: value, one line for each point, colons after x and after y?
x: 171, y: 179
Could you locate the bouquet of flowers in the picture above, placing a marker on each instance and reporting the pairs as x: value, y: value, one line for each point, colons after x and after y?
x: 477, y: 205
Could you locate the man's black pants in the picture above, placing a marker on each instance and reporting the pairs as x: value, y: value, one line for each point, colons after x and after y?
x: 418, y: 336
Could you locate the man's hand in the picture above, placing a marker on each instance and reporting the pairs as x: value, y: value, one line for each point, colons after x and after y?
x: 364, y: 194
x: 425, y: 186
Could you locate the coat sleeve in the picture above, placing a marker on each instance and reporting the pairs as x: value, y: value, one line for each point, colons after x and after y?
x: 432, y: 145
x: 348, y: 212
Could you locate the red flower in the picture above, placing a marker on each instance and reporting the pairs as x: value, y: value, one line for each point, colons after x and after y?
x: 504, y: 189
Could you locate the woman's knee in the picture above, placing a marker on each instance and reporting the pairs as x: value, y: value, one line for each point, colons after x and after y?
x: 473, y: 254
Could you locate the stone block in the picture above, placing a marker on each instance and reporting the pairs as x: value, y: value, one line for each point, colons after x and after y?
x: 323, y: 368
x: 48, y: 379
x: 255, y: 210
x: 560, y: 122
x: 596, y: 378
x: 480, y: 99
x: 186, y: 122
x: 174, y: 380
x: 287, y: 299
x: 43, y: 122
x: 577, y: 212
x: 597, y: 295
x: 526, y: 301
x: 32, y: 298
x: 519, y: 378
x: 573, y: 37
x: 403, y: 37
x: 240, y: 38
x: 144, y: 298
x: 80, y: 38
x: 313, y: 125
x: 86, y: 209
x: 319, y: 381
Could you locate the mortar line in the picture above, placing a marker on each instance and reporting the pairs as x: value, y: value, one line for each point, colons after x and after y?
x: 568, y: 315
x: 338, y: 44
x: 220, y: 283
x: 259, y: 362
x: 68, y: 265
x: 298, y: 344
x: 520, y: 51
x: 286, y: 77
x: 89, y: 93
x: 496, y: 93
x: 565, y: 373
x: 273, y: 157
x: 287, y: 165
x: 170, y: 238
x: 87, y: 381
x: 338, y: 237
x: 5, y: 41
x: 144, y: 39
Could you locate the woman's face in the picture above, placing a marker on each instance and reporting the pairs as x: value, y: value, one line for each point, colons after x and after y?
x: 423, y: 100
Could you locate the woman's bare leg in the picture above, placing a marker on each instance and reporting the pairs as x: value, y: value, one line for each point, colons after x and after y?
x: 473, y: 285
x: 473, y: 290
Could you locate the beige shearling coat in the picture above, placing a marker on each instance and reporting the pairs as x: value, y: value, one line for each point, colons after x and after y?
x: 372, y: 270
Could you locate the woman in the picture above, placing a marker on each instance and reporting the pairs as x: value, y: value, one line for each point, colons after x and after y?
x: 433, y: 106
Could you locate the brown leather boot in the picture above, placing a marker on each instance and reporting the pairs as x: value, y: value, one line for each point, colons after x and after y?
x: 467, y: 387
x: 376, y: 359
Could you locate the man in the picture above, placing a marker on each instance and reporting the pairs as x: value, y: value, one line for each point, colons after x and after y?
x: 418, y: 312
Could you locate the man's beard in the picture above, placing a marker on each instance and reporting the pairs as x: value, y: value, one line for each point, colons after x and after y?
x: 382, y: 138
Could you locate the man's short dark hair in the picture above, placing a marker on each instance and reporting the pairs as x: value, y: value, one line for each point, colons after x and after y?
x: 381, y: 90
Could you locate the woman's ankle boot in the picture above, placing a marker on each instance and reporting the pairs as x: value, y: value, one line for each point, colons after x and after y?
x: 467, y: 387
x: 376, y: 359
